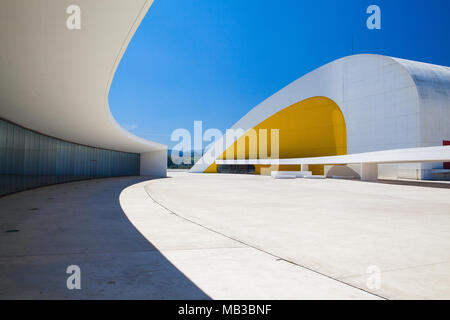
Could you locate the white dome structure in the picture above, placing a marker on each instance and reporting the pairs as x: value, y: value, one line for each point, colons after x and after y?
x: 386, y: 103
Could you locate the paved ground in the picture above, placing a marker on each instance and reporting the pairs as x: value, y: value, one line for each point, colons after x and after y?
x: 339, y: 228
x: 82, y: 224
x: 226, y: 236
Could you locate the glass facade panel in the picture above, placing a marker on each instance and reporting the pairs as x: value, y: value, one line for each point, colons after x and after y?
x: 29, y: 160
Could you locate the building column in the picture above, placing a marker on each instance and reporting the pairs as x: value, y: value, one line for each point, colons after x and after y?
x: 369, y: 171
x: 154, y: 163
x: 304, y: 167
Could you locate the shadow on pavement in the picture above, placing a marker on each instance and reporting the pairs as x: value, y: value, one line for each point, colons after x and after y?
x: 45, y: 230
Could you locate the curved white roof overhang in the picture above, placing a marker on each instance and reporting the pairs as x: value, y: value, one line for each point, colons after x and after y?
x: 56, y: 81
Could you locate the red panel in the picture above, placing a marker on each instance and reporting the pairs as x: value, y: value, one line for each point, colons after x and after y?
x: 446, y: 164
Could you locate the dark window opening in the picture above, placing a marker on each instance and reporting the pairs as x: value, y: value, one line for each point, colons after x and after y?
x: 237, y: 169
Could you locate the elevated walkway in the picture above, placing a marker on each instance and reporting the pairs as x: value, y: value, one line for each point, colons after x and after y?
x: 369, y: 160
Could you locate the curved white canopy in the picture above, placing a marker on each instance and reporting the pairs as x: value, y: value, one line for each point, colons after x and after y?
x: 56, y: 81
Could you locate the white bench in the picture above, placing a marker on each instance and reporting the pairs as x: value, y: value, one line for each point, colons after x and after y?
x: 284, y: 176
x: 297, y: 174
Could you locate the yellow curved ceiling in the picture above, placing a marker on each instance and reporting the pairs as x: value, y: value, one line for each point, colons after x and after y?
x: 313, y: 127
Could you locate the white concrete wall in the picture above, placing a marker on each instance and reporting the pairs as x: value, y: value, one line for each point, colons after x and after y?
x: 391, y: 171
x: 154, y: 163
x: 379, y: 104
x: 381, y: 108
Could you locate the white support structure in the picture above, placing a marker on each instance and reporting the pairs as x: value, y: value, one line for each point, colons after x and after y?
x: 410, y: 155
x: 154, y: 163
x: 369, y: 171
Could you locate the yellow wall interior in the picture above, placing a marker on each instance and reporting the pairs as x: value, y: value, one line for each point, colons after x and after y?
x: 313, y: 127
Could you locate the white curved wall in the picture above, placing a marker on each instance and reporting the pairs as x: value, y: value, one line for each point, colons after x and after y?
x: 433, y: 87
x: 56, y: 81
x: 379, y: 98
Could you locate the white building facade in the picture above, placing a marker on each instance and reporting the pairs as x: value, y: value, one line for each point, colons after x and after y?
x: 387, y: 103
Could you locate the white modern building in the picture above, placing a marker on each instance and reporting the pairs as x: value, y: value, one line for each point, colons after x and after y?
x: 356, y: 104
x: 56, y: 124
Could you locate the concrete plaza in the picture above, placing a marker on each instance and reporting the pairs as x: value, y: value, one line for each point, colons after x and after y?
x: 202, y: 236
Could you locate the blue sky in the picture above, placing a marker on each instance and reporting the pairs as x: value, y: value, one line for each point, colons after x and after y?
x: 214, y: 60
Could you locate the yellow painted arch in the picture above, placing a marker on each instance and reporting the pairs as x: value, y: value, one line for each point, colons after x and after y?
x: 313, y: 127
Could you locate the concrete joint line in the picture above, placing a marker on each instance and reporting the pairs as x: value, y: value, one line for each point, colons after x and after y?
x: 169, y: 211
